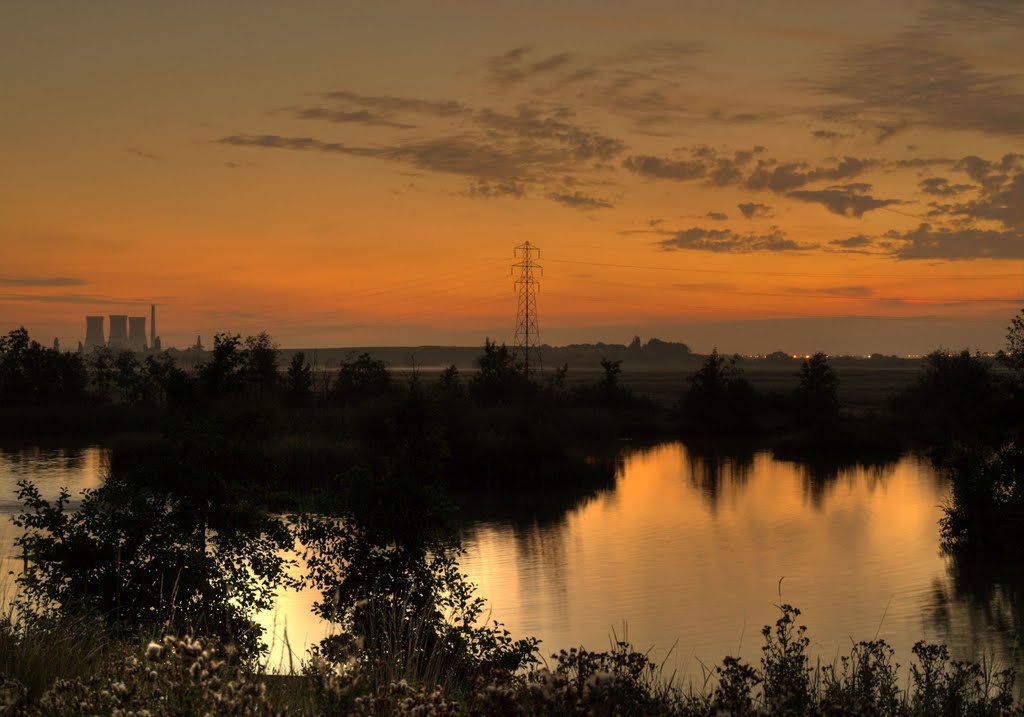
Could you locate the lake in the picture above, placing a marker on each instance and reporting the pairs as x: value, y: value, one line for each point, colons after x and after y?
x: 688, y: 556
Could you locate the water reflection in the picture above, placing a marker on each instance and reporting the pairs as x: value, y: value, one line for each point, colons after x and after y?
x: 50, y: 468
x: 980, y: 607
x: 571, y: 487
x: 821, y: 477
x: 713, y: 468
x: 693, y: 545
x: 689, y: 545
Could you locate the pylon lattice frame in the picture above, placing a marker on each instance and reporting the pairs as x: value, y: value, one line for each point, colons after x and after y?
x: 527, y: 336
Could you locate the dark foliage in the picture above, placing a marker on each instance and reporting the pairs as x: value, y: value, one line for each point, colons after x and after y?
x: 299, y: 380
x: 362, y: 378
x: 33, y: 374
x: 1013, y: 355
x: 720, y: 400
x: 816, y: 397
x: 956, y: 400
x: 501, y: 378
x: 171, y: 538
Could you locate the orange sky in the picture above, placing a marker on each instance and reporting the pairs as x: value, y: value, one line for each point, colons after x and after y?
x: 358, y: 173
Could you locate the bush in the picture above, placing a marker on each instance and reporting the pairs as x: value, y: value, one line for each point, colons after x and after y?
x: 720, y: 399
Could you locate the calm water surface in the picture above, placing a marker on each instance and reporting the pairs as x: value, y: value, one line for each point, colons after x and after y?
x: 50, y: 469
x: 693, y: 552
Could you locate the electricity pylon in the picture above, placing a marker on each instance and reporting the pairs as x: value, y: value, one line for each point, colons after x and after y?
x: 527, y: 338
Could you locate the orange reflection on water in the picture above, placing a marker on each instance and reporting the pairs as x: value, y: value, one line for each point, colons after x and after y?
x: 699, y: 550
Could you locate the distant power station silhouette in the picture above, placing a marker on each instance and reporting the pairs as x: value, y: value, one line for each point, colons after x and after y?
x: 126, y: 332
x: 118, y: 331
x: 94, y: 333
x: 137, y: 333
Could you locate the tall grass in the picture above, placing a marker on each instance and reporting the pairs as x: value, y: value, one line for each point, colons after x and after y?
x: 38, y: 652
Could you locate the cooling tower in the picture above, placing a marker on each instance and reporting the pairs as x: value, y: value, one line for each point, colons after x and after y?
x: 137, y: 333
x: 118, y: 331
x: 93, y: 332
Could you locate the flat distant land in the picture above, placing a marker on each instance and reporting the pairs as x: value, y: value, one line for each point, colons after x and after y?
x: 866, y: 383
x: 658, y: 369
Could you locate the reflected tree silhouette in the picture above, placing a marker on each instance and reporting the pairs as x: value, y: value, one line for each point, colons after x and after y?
x: 712, y: 466
x: 822, y: 476
x: 572, y: 485
x: 990, y: 592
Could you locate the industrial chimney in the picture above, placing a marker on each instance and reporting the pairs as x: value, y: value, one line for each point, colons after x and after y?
x: 152, y: 326
x: 118, y: 331
x: 93, y: 332
x: 137, y: 333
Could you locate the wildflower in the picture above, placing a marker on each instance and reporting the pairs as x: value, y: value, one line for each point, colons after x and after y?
x: 154, y: 650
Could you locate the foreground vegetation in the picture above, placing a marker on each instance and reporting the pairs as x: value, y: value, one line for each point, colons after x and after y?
x: 402, y: 668
x: 231, y: 466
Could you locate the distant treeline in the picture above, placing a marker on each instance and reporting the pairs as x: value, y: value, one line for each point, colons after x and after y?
x: 653, y: 354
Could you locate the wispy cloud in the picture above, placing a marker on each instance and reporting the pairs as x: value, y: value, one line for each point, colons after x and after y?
x: 850, y: 292
x: 343, y: 116
x: 896, y: 86
x: 828, y: 135
x: 726, y: 240
x: 69, y: 299
x: 679, y: 170
x: 928, y: 242
x: 578, y: 200
x: 849, y: 200
x: 42, y: 281
x: 785, y: 177
x: 750, y: 210
x: 142, y: 154
x: 532, y: 149
x: 514, y: 66
x: 941, y: 187
x: 858, y: 241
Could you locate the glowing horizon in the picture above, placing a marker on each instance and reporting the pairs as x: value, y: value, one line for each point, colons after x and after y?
x: 359, y: 175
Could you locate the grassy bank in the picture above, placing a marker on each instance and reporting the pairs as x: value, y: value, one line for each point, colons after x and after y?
x: 397, y: 666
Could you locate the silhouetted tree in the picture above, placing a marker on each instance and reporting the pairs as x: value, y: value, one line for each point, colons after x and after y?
x: 986, y: 510
x: 171, y: 537
x: 222, y: 374
x: 33, y: 373
x: 362, y: 377
x: 955, y: 399
x: 14, y: 347
x: 612, y: 369
x: 1013, y: 356
x: 261, y: 364
x: 449, y: 382
x: 102, y: 373
x: 500, y: 376
x: 559, y: 378
x: 128, y: 377
x: 816, y: 396
x: 299, y: 378
x: 720, y: 399
x: 166, y: 383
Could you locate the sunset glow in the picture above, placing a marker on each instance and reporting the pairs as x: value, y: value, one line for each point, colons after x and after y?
x: 358, y: 173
